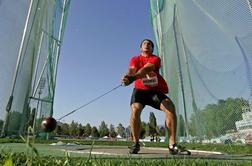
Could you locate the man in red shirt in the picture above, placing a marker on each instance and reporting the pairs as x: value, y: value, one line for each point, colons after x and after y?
x: 150, y: 89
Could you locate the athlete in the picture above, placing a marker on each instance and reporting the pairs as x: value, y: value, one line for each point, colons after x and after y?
x: 150, y: 89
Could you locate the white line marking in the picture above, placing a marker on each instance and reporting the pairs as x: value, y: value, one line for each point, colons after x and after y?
x: 193, y: 151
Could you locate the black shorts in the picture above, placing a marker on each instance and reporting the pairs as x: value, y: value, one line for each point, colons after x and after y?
x: 152, y: 98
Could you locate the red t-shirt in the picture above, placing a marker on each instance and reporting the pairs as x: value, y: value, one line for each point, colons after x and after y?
x: 152, y: 80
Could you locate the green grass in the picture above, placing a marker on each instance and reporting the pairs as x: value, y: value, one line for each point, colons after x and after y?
x: 21, y: 159
x: 41, y: 153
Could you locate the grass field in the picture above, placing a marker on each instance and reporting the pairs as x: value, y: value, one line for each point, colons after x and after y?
x: 14, y: 152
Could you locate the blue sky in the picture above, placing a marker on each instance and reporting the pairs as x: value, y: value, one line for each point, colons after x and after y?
x: 99, y: 40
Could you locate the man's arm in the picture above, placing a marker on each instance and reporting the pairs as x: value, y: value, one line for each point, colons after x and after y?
x: 128, y: 78
x: 145, y: 70
x: 132, y: 75
x: 131, y: 71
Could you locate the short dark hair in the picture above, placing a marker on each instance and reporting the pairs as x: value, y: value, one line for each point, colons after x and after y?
x: 152, y: 44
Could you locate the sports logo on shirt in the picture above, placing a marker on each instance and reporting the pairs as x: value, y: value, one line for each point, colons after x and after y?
x: 150, y: 79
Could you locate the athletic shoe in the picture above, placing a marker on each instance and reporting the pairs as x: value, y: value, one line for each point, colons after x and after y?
x: 135, y: 148
x: 178, y: 150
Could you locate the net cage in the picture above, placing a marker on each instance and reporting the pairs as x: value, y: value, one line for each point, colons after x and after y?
x: 31, y: 35
x: 206, y: 53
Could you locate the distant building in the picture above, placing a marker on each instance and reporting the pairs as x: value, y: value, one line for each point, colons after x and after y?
x: 244, y: 126
x: 150, y: 139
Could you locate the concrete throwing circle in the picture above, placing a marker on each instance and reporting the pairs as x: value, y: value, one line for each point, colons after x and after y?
x: 149, y: 152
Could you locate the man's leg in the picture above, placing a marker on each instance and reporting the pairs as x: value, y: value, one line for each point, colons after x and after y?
x: 135, y: 121
x: 170, y: 119
x: 171, y: 123
x: 135, y: 124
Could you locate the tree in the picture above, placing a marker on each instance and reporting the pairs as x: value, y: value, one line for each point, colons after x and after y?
x: 161, y: 131
x: 147, y: 130
x: 217, y: 119
x: 95, y: 132
x: 65, y: 129
x: 121, y: 130
x: 87, y: 130
x: 112, y: 132
x: 73, y: 128
x: 15, y: 119
x: 59, y: 130
x: 143, y: 130
x: 127, y: 132
x: 103, y: 129
x: 1, y: 124
x: 152, y: 125
x: 80, y: 130
x: 181, y: 126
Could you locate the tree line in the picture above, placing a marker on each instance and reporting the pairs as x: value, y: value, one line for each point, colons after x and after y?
x: 76, y: 129
x: 217, y: 119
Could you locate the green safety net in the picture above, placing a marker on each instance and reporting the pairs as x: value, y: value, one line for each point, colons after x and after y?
x: 206, y: 53
x: 31, y: 34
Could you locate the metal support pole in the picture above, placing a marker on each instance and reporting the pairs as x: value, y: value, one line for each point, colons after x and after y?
x: 8, y: 107
x: 180, y: 71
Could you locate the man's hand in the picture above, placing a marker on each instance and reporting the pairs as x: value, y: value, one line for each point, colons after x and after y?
x: 128, y: 79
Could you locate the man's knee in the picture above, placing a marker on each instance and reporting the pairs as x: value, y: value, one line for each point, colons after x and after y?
x: 136, y: 108
x: 168, y: 105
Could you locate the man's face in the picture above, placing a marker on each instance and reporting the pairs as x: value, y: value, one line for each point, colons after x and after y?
x: 146, y: 46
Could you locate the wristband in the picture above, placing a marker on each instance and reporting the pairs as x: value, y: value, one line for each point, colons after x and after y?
x: 131, y: 78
